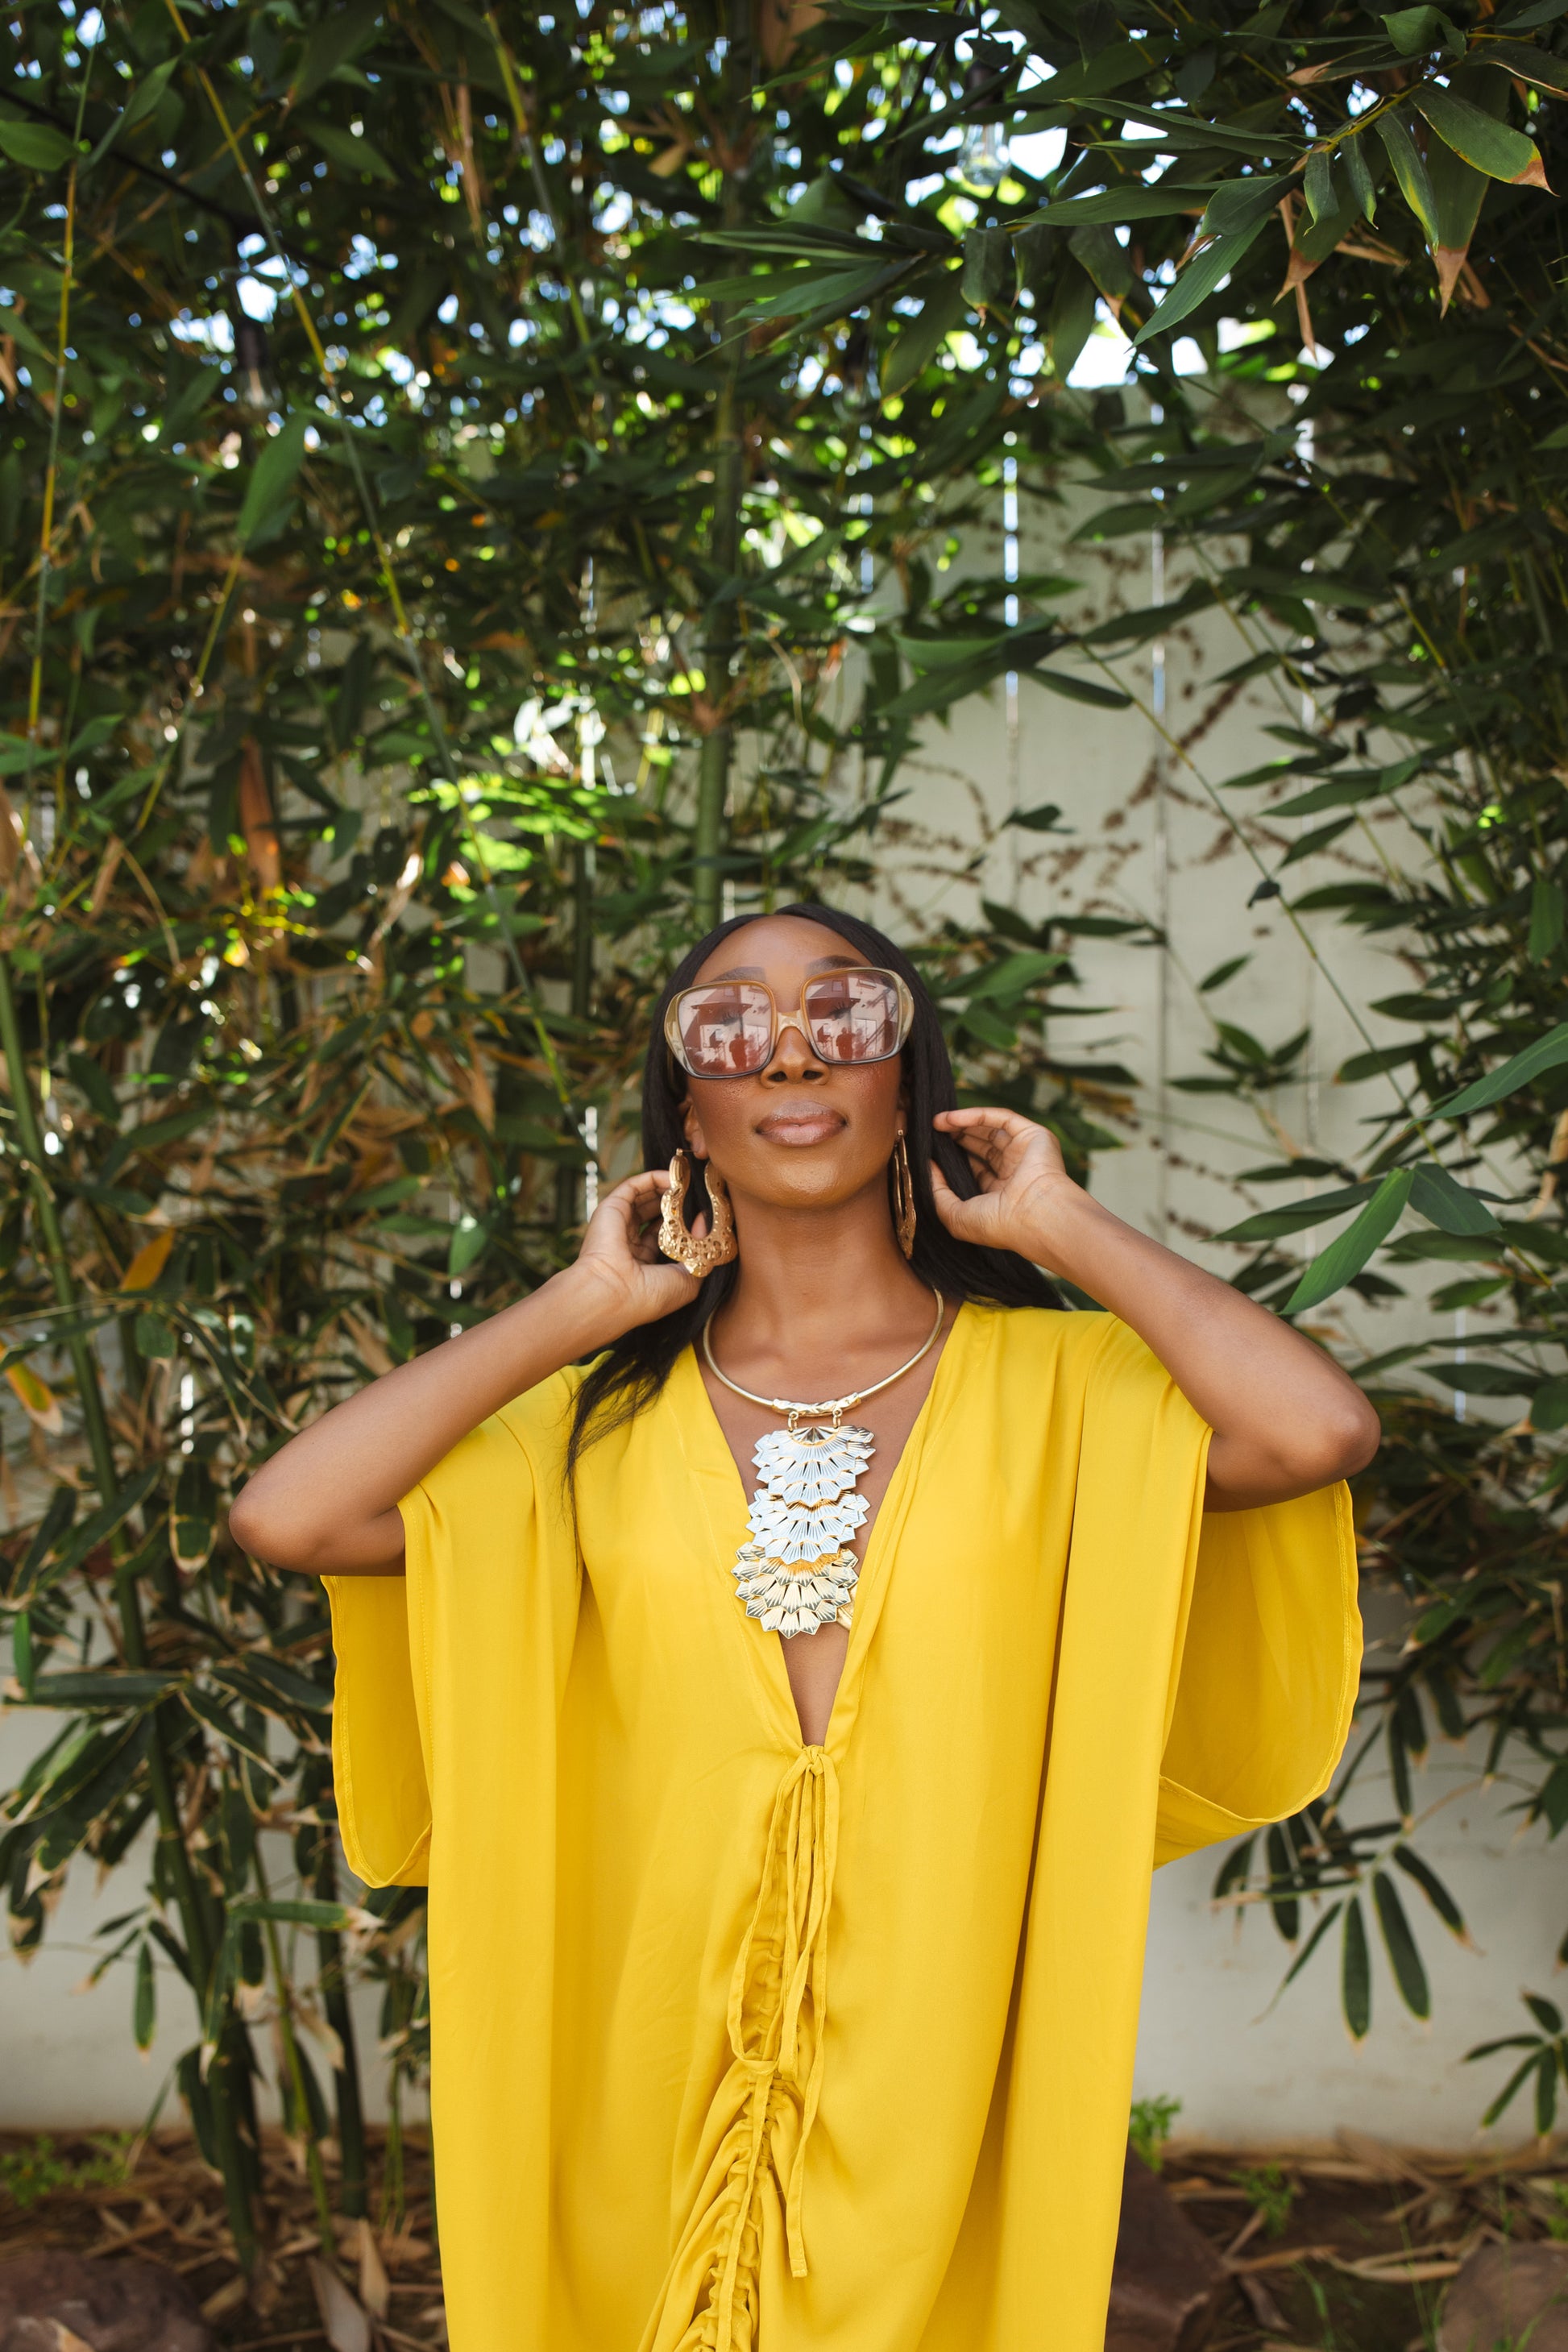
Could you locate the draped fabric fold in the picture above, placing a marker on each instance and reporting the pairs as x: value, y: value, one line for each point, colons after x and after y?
x: 647, y: 2132
x: 763, y: 2111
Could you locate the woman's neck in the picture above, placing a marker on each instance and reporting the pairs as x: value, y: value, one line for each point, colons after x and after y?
x: 821, y: 1295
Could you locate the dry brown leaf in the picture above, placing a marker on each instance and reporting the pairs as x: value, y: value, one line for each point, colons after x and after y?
x: 374, y: 2291
x: 227, y: 2297
x: 36, y: 1399
x: 345, y: 2323
x: 257, y: 820
x: 780, y: 25
x: 367, y: 1345
x: 148, y: 1262
x: 106, y: 873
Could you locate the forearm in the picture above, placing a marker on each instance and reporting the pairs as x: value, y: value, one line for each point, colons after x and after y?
x: 1286, y: 1418
x: 327, y: 1502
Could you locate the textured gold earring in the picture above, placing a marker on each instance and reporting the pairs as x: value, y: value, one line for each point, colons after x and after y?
x: 903, y: 1199
x: 675, y: 1238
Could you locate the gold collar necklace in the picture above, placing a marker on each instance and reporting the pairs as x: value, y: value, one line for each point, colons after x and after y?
x: 797, y: 1572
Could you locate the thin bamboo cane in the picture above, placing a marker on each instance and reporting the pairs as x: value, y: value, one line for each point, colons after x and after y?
x: 199, y: 1942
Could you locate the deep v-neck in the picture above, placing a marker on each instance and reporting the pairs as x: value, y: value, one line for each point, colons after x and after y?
x: 703, y: 1435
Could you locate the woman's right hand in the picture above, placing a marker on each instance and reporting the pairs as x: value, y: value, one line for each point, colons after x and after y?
x: 620, y: 1249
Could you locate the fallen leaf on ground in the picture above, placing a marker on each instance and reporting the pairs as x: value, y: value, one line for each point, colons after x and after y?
x: 346, y: 2324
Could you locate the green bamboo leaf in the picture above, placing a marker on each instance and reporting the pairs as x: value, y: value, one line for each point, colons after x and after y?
x: 1319, y: 183
x: 229, y: 1725
x: 1233, y: 1871
x: 193, y: 1518
x: 1353, y: 153
x: 1346, y: 1255
x: 1311, y: 1946
x: 1404, y: 1958
x: 35, y: 145
x: 1413, y: 31
x: 1013, y: 977
x: 145, y: 2006
x: 1213, y: 264
x: 331, y: 44
x: 1355, y: 1972
x: 1410, y: 171
x: 1549, y: 1405
x: 1545, y: 920
x: 1435, y: 1196
x: 1080, y: 690
x: 268, y: 1682
x: 1486, y: 144
x: 1546, y: 2013
x: 269, y: 492
x: 919, y: 340
x: 1484, y: 1380
x: 1433, y: 1888
x: 1505, y: 2097
x: 988, y: 272
x: 290, y: 1912
x: 349, y: 148
x: 102, y: 1688
x: 1548, y: 1052
x: 1130, y: 199
x: 470, y: 1239
x: 1545, y: 2092
x: 23, y: 1658
x: 91, y: 1532
x: 1531, y: 64
x: 146, y: 97
x: 1271, y: 1224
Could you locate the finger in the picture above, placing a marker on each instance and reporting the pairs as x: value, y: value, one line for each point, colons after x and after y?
x: 985, y: 1115
x: 638, y: 1187
x: 983, y: 1129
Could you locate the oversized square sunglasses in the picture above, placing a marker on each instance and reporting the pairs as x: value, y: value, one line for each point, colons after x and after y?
x: 730, y: 1028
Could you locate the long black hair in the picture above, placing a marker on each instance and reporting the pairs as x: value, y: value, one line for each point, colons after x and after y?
x: 630, y: 1375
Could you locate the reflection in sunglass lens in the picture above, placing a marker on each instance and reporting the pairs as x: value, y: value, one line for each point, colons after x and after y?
x: 726, y: 1030
x: 853, y: 1016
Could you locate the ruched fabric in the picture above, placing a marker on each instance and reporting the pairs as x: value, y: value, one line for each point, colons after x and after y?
x: 648, y: 2136
x: 762, y: 2118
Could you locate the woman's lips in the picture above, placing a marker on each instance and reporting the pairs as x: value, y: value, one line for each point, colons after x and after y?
x: 800, y: 1127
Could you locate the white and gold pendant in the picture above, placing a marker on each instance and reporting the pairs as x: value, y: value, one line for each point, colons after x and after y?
x: 797, y: 1572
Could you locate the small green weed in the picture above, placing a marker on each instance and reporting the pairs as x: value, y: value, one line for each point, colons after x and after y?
x: 28, y: 2175
x: 1150, y: 2128
x: 1268, y: 2193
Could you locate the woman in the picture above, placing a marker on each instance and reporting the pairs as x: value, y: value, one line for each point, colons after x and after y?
x: 789, y: 1869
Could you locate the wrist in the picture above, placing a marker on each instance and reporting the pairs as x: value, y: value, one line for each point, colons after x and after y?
x: 1062, y: 1225
x: 593, y: 1298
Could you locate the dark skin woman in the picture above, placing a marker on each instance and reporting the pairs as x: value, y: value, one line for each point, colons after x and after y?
x: 822, y: 1301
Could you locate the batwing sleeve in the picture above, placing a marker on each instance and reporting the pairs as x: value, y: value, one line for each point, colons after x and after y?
x: 490, y: 1593
x: 1270, y: 1663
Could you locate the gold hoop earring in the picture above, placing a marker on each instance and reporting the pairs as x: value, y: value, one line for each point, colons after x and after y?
x: 903, y: 1199
x: 675, y: 1238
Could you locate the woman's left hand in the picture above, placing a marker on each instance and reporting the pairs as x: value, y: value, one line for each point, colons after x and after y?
x: 1022, y: 1183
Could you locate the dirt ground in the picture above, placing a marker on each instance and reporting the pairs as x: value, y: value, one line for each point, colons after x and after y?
x: 1340, y: 2251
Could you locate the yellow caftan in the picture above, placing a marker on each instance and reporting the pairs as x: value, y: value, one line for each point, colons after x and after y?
x: 748, y: 2046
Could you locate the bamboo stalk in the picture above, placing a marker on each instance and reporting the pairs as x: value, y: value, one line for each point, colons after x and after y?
x: 283, y: 1990
x: 199, y: 1944
x: 339, y: 2017
x: 721, y: 631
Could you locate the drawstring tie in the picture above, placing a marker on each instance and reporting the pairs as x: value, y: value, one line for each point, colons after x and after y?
x: 762, y: 2118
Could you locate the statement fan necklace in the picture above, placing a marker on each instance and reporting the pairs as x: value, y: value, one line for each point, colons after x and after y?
x: 797, y: 1572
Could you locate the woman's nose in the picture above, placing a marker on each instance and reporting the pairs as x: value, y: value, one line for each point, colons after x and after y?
x: 794, y: 1056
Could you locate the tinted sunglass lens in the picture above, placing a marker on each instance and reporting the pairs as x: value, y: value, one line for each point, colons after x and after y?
x: 726, y: 1031
x: 853, y: 1016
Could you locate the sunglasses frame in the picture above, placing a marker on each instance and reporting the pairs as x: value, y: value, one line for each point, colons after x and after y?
x: 783, y: 1021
